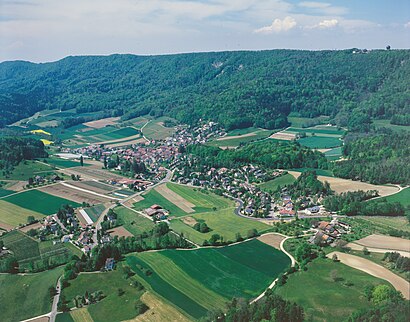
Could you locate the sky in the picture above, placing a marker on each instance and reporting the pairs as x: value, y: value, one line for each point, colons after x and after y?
x: 48, y: 30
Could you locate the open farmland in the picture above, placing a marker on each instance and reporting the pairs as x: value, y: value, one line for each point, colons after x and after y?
x: 235, y: 138
x: 205, y: 279
x: 27, y: 169
x: 133, y: 222
x: 223, y: 222
x: 94, y: 186
x: 385, y: 242
x: 343, y: 185
x: 120, y: 231
x: 40, y: 202
x: 321, y: 297
x: 402, y: 197
x: 102, y: 122
x: 274, y: 184
x: 154, y: 197
x: 95, y: 211
x: 320, y: 142
x: 155, y: 130
x: 399, y: 223
x: 113, y: 307
x: 12, y: 215
x: 29, y: 291
x: 175, y: 198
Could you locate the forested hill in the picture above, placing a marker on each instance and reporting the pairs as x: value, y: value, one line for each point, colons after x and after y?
x: 238, y: 89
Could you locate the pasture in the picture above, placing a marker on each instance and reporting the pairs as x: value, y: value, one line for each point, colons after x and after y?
x: 304, y: 122
x: 155, y: 130
x: 113, y: 307
x: 133, y: 222
x: 95, y: 211
x: 200, y: 280
x: 27, y: 169
x: 154, y: 197
x: 39, y: 202
x: 62, y: 163
x: 334, y: 154
x: 393, y: 127
x: 320, y: 142
x: 241, y: 136
x: 402, y: 197
x: 14, y: 215
x: 24, y: 297
x: 223, y: 222
x: 273, y: 185
x: 321, y: 296
x: 386, y: 223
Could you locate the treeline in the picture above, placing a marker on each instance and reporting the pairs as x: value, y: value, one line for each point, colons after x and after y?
x: 351, y: 204
x: 236, y: 89
x: 269, y: 154
x: 15, y: 149
x: 307, y: 184
x: 399, y: 262
x: 270, y: 308
x: 380, y: 158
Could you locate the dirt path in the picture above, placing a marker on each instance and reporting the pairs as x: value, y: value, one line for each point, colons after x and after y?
x: 371, y: 268
x: 88, y: 191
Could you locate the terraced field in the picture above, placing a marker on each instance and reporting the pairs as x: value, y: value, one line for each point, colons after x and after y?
x: 200, y: 280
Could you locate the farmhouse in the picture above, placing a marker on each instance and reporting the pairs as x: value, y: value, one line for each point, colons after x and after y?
x: 156, y: 210
x: 312, y: 210
x: 109, y: 264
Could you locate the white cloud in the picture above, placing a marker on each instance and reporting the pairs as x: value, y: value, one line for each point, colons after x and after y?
x: 328, y: 23
x: 278, y: 26
x: 323, y: 7
x: 407, y: 25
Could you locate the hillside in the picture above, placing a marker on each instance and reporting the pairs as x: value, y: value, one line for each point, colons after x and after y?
x: 238, y: 89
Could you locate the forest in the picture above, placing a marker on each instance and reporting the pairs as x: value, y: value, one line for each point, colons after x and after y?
x: 238, y: 89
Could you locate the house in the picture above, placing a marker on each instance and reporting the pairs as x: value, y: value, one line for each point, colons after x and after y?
x: 109, y: 264
x: 312, y: 210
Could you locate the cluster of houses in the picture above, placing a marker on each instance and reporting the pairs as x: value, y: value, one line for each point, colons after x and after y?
x: 329, y: 232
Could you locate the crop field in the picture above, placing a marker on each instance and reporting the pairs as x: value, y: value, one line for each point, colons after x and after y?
x: 304, y: 122
x: 113, y: 307
x: 62, y: 163
x: 94, y: 173
x: 94, y: 186
x: 334, y: 154
x: 321, y: 297
x: 205, y: 279
x: 30, y: 292
x: 133, y: 222
x: 320, y: 142
x: 21, y: 245
x: 155, y: 129
x: 393, y: 127
x: 118, y: 134
x: 153, y: 197
x: 223, y: 222
x: 5, y: 192
x: 272, y: 185
x: 236, y: 137
x: 13, y: 215
x: 95, y: 211
x: 126, y: 142
x: 385, y: 242
x: 27, y: 169
x: 175, y: 198
x: 318, y: 130
x: 102, y: 122
x: 399, y: 223
x: 40, y: 202
x: 402, y: 197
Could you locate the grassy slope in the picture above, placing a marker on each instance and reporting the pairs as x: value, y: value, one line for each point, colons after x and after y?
x: 133, y: 222
x: 23, y: 297
x: 321, y: 297
x: 223, y: 222
x: 27, y: 169
x: 154, y: 197
x: 403, y: 197
x: 112, y: 307
x: 234, y: 142
x: 272, y: 185
x: 39, y: 201
x: 15, y: 215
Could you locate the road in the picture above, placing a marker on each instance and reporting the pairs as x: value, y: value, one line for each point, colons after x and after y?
x: 56, y: 299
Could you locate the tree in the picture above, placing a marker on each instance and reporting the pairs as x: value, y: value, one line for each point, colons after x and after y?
x: 31, y: 219
x: 140, y: 306
x: 335, y: 258
x: 385, y: 293
x: 81, y: 160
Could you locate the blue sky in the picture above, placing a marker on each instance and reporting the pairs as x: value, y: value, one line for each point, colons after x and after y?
x: 47, y: 30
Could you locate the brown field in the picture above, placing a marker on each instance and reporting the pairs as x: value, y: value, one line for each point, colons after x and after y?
x: 5, y: 226
x: 272, y: 240
x: 236, y: 136
x: 134, y: 141
x: 190, y: 221
x: 93, y: 186
x: 120, y: 232
x: 16, y: 185
x: 36, y: 225
x: 41, y: 319
x: 175, y: 198
x: 81, y: 315
x: 92, y: 173
x: 72, y: 194
x: 102, y: 123
x: 372, y: 268
x: 385, y: 242
x: 343, y: 185
x: 283, y: 136
x: 159, y: 311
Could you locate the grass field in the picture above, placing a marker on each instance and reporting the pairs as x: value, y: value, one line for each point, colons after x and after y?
x: 61, y: 163
x: 156, y: 131
x: 386, y: 223
x: 318, y: 130
x: 23, y: 297
x: 205, y: 279
x: 27, y: 169
x: 154, y: 197
x: 319, y: 172
x: 40, y: 202
x: 14, y: 215
x: 402, y: 197
x: 134, y: 223
x: 320, y: 142
x: 223, y: 222
x: 5, y: 192
x: 300, y: 122
x: 236, y: 137
x: 386, y: 123
x: 321, y: 297
x: 113, y: 307
x: 334, y: 154
x: 95, y: 211
x: 272, y: 185
x: 118, y: 134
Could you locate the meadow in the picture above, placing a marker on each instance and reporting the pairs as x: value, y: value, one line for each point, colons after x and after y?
x: 240, y: 136
x: 23, y: 297
x: 39, y: 202
x: 402, y: 197
x: 62, y: 163
x: 322, y: 297
x: 334, y: 154
x: 134, y: 223
x: 386, y: 223
x: 113, y: 307
x: 27, y: 169
x: 273, y: 185
x: 223, y: 222
x: 393, y: 127
x: 205, y: 279
x: 320, y: 142
x: 154, y: 197
x: 95, y: 211
x: 14, y: 215
x: 154, y: 130
x: 304, y: 122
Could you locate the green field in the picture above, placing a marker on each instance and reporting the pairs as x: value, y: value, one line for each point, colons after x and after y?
x: 118, y: 134
x: 156, y: 131
x: 24, y: 297
x: 334, y: 154
x: 323, y: 298
x: 113, y: 307
x: 402, y: 197
x: 5, y: 192
x: 234, y: 142
x: 205, y: 279
x: 14, y: 215
x: 386, y: 123
x: 95, y: 211
x: 62, y: 163
x: 134, y: 223
x: 39, y: 202
x: 27, y: 169
x: 223, y: 222
x: 154, y: 197
x: 272, y: 185
x: 387, y: 223
x: 318, y: 130
x: 319, y: 172
x: 304, y: 122
x: 320, y: 142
